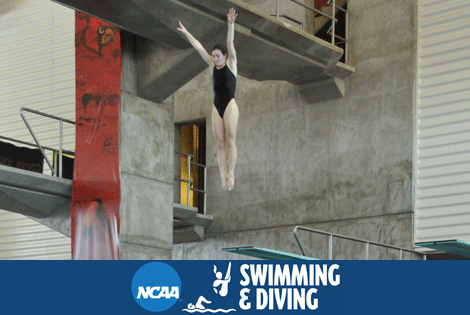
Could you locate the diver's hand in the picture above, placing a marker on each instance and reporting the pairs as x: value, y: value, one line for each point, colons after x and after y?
x: 231, y: 16
x: 182, y: 29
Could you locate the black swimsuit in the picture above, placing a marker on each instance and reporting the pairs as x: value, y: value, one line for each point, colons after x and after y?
x: 225, y: 83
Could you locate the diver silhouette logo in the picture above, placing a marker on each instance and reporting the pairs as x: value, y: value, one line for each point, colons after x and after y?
x: 220, y: 287
x: 156, y: 287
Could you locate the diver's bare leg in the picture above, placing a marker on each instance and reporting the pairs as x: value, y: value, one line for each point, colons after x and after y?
x: 231, y: 116
x: 219, y: 133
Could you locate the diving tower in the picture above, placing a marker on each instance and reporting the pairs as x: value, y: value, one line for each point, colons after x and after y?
x: 47, y: 199
x: 267, y: 48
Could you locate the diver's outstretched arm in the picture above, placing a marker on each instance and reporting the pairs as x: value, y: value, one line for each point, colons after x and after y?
x: 227, y: 275
x: 231, y: 16
x: 196, y: 44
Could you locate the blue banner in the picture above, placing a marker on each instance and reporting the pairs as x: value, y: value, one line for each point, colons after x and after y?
x: 234, y: 287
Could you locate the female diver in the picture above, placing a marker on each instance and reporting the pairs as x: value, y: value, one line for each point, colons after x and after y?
x: 224, y: 110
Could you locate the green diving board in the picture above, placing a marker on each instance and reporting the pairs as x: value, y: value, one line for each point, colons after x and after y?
x: 265, y: 253
x: 455, y: 247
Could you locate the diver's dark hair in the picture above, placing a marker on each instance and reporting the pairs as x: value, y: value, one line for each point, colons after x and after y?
x: 221, y: 48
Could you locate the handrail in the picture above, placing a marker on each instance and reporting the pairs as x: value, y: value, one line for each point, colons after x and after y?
x: 290, y: 19
x: 312, y: 9
x: 331, y: 17
x: 368, y: 243
x: 36, y: 146
x: 61, y: 121
x: 184, y: 153
x: 189, y: 182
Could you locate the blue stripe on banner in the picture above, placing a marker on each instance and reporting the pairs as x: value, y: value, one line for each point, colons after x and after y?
x: 234, y: 287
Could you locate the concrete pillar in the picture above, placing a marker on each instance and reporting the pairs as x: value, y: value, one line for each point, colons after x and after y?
x: 146, y: 156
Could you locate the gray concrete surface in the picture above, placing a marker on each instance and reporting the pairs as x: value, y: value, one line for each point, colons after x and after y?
x: 43, y: 198
x: 343, y: 165
x: 128, y: 16
x: 393, y: 230
x: 286, y: 8
x: 267, y: 49
x: 33, y: 194
x: 146, y: 157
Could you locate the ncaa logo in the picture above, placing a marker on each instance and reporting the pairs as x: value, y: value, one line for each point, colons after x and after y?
x: 156, y: 286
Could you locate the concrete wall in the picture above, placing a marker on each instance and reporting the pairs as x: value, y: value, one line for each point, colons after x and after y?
x: 341, y: 166
x: 146, y: 154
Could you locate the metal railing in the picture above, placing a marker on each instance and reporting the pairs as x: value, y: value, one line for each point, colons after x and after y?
x: 332, y: 17
x: 61, y: 135
x: 366, y: 242
x: 189, y: 182
x: 35, y: 145
x: 278, y: 16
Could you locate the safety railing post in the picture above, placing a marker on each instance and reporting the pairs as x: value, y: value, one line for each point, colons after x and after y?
x: 188, y: 181
x: 61, y: 120
x: 205, y: 189
x: 298, y: 241
x: 333, y: 22
x: 330, y: 247
x: 60, y: 147
x: 55, y: 165
x: 189, y: 178
x: 36, y: 140
x: 346, y: 36
x: 367, y: 250
x: 277, y: 8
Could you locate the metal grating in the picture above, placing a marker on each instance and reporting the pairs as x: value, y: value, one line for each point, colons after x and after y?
x: 264, y: 253
x: 455, y: 247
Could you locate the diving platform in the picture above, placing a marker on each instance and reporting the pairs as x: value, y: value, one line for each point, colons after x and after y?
x: 265, y: 253
x: 456, y: 247
x: 188, y: 224
x: 33, y: 194
x: 47, y: 199
x: 267, y: 48
x: 43, y: 198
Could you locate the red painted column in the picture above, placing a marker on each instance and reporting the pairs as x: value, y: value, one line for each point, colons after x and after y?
x: 96, y: 193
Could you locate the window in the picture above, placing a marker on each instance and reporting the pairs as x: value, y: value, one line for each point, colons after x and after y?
x: 190, y: 138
